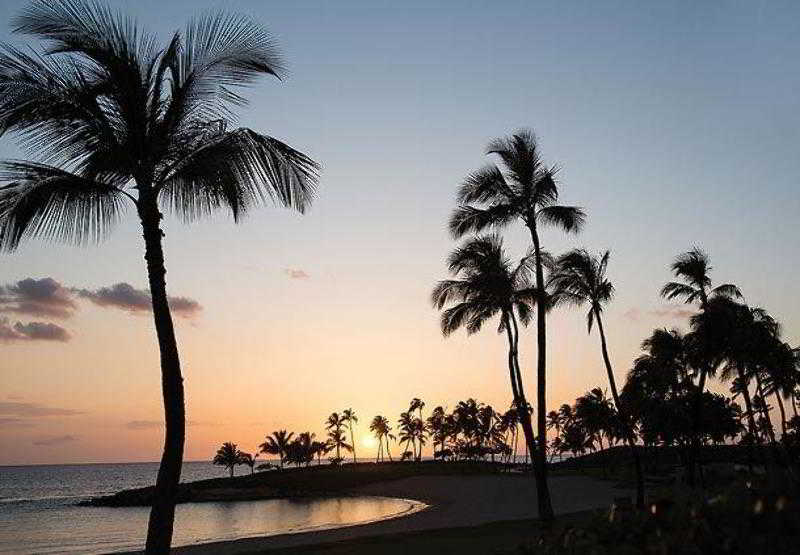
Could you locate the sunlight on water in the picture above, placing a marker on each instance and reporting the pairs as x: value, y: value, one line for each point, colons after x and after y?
x: 103, y: 530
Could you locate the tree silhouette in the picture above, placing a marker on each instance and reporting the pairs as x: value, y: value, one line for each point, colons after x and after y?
x: 228, y: 456
x: 349, y: 416
x: 581, y: 279
x: 248, y: 460
x: 693, y: 268
x: 277, y: 444
x: 114, y: 121
x: 524, y: 190
x: 488, y: 285
x: 336, y: 435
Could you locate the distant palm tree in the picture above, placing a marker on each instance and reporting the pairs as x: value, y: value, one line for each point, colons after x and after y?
x: 248, y: 460
x: 336, y: 436
x: 349, y: 416
x: 524, y: 190
x: 277, y: 444
x: 407, y: 434
x: 418, y: 404
x: 121, y: 122
x: 488, y: 284
x: 437, y: 429
x: 580, y: 279
x: 380, y: 427
x: 228, y: 456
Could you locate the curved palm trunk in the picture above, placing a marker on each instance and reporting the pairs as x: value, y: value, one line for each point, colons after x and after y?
x: 538, y: 456
x: 783, y: 412
x: 623, y: 415
x: 162, y: 514
x: 231, y: 472
x: 352, y: 440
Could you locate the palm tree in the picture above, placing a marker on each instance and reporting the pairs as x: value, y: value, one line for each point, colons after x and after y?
x: 581, y: 279
x: 228, y: 456
x: 524, y: 190
x: 248, y: 459
x: 380, y: 427
x: 437, y: 429
x: 489, y: 285
x: 693, y: 268
x: 349, y: 416
x: 407, y: 434
x: 277, y: 444
x: 115, y: 121
x: 338, y: 440
x: 418, y: 404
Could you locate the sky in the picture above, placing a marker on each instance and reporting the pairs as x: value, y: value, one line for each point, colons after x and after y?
x: 675, y: 124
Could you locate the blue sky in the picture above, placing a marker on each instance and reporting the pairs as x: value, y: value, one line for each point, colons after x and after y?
x: 675, y: 124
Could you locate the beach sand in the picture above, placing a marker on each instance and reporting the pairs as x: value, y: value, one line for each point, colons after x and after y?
x: 454, y: 502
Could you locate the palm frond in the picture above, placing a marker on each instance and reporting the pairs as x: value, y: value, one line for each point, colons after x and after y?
x: 466, y: 219
x: 674, y: 290
x: 238, y: 169
x: 727, y: 290
x: 43, y: 201
x: 568, y: 218
x: 484, y: 185
x: 220, y: 52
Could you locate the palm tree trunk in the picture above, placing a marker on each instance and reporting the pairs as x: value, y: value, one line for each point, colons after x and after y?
x: 231, y: 472
x: 162, y: 513
x: 352, y: 440
x: 623, y: 415
x: 538, y: 456
x: 783, y: 412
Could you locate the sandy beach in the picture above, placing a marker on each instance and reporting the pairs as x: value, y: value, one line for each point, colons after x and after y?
x: 454, y: 501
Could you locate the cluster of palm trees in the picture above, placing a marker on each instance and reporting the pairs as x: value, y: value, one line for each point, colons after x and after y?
x: 743, y: 344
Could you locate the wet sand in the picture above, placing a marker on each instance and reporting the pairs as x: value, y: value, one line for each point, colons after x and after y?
x: 454, y: 501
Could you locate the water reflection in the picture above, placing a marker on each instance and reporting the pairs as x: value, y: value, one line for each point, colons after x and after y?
x: 103, y: 530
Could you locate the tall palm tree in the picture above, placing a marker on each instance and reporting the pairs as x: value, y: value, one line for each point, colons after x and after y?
x: 112, y: 121
x: 349, y: 416
x: 228, y: 456
x: 489, y: 285
x: 276, y: 444
x: 407, y: 434
x: 692, y: 268
x: 524, y: 190
x: 581, y: 279
x: 336, y: 435
x: 380, y: 427
x: 418, y: 404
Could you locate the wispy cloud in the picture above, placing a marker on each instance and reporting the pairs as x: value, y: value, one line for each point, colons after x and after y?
x: 668, y: 311
x: 32, y: 331
x: 125, y: 296
x: 14, y: 422
x: 155, y: 424
x: 44, y: 297
x: 49, y: 441
x: 15, y: 408
x: 296, y: 273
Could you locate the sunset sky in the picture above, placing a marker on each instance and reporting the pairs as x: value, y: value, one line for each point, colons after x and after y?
x: 675, y: 125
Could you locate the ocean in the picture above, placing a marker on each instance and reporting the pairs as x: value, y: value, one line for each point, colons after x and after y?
x: 38, y: 512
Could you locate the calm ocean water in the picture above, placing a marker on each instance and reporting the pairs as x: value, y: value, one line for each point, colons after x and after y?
x: 38, y: 512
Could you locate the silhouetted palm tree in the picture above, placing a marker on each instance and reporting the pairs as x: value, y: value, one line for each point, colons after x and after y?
x: 408, y: 434
x: 248, y: 460
x: 380, y: 427
x: 580, y: 279
x: 277, y: 444
x: 418, y: 404
x: 336, y: 435
x: 116, y: 121
x: 525, y: 191
x: 693, y: 268
x: 228, y: 456
x: 349, y: 416
x: 489, y: 285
